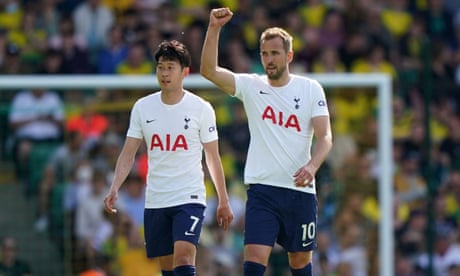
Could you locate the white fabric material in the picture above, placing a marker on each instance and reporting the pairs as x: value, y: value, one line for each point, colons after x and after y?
x: 174, y: 135
x: 279, y: 120
x: 26, y: 106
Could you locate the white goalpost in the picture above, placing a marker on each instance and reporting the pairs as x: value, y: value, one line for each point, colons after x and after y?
x: 381, y: 82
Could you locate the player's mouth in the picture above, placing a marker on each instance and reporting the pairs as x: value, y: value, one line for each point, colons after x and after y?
x: 271, y: 70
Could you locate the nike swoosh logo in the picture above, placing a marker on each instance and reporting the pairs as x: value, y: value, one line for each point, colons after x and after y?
x: 305, y: 244
x: 149, y: 121
x: 263, y: 93
x: 187, y: 233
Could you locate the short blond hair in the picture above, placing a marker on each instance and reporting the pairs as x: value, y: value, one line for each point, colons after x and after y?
x: 274, y: 32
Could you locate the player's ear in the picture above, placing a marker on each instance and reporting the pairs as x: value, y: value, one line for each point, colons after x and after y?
x: 186, y: 71
x: 290, y: 56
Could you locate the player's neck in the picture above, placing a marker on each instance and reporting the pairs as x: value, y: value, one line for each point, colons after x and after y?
x: 172, y: 96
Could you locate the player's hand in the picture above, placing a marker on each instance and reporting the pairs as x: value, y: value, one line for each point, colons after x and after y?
x: 304, y: 176
x: 220, y: 17
x: 109, y: 202
x: 224, y: 215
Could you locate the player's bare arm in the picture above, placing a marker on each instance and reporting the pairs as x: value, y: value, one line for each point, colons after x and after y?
x: 209, y: 68
x: 323, y: 135
x: 224, y: 211
x: 122, y: 169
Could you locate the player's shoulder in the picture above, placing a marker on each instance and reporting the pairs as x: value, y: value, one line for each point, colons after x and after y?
x: 305, y: 78
x: 192, y: 97
x: 307, y: 82
x: 148, y: 99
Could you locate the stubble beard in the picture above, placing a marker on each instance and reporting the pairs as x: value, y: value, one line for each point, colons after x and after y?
x: 277, y: 74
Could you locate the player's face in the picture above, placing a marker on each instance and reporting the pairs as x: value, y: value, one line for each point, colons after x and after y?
x: 170, y: 74
x: 274, y: 58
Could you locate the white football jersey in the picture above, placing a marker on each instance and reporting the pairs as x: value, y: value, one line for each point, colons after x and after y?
x: 279, y: 120
x: 174, y: 135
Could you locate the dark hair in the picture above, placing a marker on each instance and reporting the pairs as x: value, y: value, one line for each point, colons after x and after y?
x: 175, y: 51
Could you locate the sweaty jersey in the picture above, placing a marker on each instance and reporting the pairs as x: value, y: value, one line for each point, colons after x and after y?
x: 174, y: 135
x: 279, y: 120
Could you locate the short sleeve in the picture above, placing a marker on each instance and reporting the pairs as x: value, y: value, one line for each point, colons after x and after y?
x: 208, y: 129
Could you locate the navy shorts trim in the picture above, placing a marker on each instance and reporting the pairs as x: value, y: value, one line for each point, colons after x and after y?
x: 164, y: 226
x: 285, y: 216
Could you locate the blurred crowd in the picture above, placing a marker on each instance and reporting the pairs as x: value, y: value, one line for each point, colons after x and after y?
x: 65, y: 143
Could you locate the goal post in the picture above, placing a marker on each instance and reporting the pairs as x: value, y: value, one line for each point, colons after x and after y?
x: 381, y: 82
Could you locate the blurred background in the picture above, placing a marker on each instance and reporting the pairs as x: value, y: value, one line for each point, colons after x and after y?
x: 58, y: 147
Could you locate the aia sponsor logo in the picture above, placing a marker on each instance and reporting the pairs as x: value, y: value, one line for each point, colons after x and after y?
x: 281, y: 119
x: 168, y: 142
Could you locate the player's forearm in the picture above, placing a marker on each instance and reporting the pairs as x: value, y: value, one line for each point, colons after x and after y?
x: 219, y: 183
x: 322, y: 148
x: 209, y: 54
x: 122, y: 169
x: 218, y: 178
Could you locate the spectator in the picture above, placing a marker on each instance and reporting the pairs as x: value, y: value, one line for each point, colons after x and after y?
x: 90, y: 124
x: 195, y: 35
x: 374, y: 29
x: 404, y: 266
x: 295, y: 25
x: 188, y: 11
x: 355, y: 47
x: 136, y: 63
x: 409, y: 185
x: 68, y: 6
x: 446, y: 251
x: 410, y: 237
x: 396, y: 18
x: 104, y: 155
x: 326, y: 259
x: 403, y: 118
x: 332, y: 31
x: 10, y: 264
x: 439, y: 21
x: 450, y: 146
x: 453, y: 194
x: 92, y: 20
x: 132, y: 199
x: 12, y: 63
x: 412, y: 47
x: 352, y: 250
x: 149, y: 10
x: 3, y: 45
x: 119, y: 7
x: 152, y: 39
x: 11, y: 14
x: 236, y: 57
x: 313, y: 12
x: 75, y: 59
x: 92, y: 228
x: 328, y: 61
x: 253, y: 27
x: 66, y: 27
x: 114, y: 53
x: 376, y: 61
x: 36, y: 117
x: 31, y: 38
x: 134, y: 29
x: 52, y: 63
x: 48, y: 17
x: 64, y: 160
x: 168, y: 21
